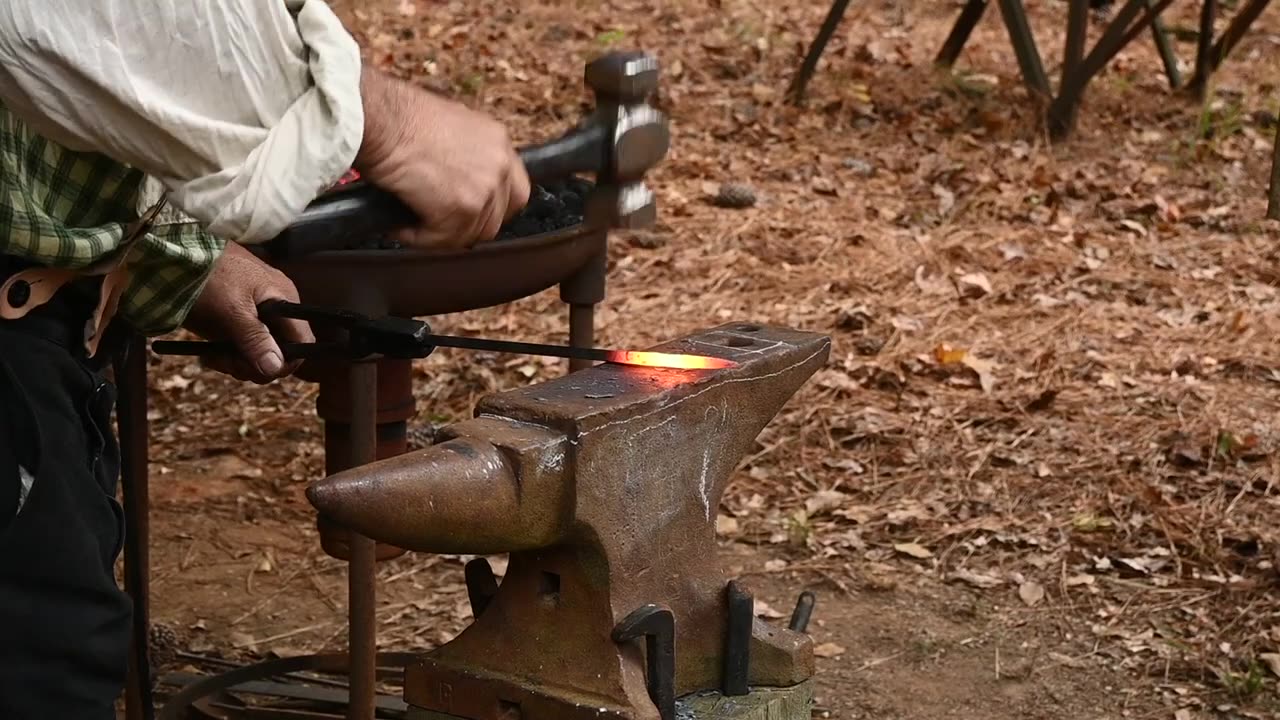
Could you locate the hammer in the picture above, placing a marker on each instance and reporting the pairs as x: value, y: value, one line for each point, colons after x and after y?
x: 619, y: 142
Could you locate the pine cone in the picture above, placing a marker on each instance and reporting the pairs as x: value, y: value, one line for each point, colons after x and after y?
x: 165, y: 644
x: 735, y: 195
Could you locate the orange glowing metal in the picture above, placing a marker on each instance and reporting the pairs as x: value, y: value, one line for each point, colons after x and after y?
x: 668, y: 360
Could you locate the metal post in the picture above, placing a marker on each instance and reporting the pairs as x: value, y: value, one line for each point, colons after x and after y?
x: 1072, y: 59
x: 1204, y: 44
x: 801, y: 81
x: 968, y: 20
x: 1024, y: 47
x: 1235, y: 31
x: 362, y: 570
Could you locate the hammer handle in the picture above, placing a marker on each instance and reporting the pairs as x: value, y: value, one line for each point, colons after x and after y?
x: 364, y: 210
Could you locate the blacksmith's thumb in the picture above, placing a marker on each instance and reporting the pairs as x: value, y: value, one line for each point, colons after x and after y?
x: 257, y: 345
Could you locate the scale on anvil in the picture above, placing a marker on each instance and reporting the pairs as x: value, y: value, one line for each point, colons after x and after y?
x: 365, y: 404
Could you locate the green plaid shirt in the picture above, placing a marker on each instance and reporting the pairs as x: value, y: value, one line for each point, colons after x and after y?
x: 67, y: 209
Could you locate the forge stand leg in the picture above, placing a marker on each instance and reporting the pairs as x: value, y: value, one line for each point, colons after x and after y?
x: 582, y: 292
x: 361, y: 571
x: 801, y: 81
x: 131, y: 418
x: 968, y: 20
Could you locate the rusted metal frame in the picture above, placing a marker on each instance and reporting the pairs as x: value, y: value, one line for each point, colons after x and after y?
x: 1273, y: 198
x: 960, y: 32
x: 801, y: 81
x: 1024, y: 47
x: 362, y: 568
x: 1121, y: 31
x: 131, y: 420
x: 1227, y: 42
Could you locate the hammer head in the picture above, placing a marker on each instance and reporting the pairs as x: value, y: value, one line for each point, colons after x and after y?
x: 636, y: 137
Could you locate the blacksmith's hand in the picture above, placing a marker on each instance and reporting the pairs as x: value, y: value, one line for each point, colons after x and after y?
x: 454, y: 167
x: 227, y: 309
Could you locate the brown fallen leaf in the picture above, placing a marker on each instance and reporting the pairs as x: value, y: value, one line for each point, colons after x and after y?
x: 764, y: 610
x: 824, y: 500
x: 829, y: 650
x: 726, y: 526
x: 915, y: 550
x: 1272, y: 661
x: 974, y: 285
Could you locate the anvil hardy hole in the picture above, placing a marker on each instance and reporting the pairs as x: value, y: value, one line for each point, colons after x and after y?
x: 549, y: 588
x: 508, y: 710
x: 739, y: 342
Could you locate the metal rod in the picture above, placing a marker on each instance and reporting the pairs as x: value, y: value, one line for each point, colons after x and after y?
x: 803, y: 613
x: 801, y: 81
x: 361, y: 572
x: 1064, y: 124
x: 1273, y: 198
x: 1119, y: 33
x: 1204, y: 42
x: 1024, y: 46
x: 582, y: 326
x: 1235, y: 31
x: 959, y: 36
x: 131, y: 419
x: 737, y: 652
x: 1167, y: 55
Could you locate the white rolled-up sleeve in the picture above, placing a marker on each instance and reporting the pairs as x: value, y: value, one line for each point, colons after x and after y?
x: 243, y: 109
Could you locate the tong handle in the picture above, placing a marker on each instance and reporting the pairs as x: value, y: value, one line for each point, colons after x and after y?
x: 362, y: 210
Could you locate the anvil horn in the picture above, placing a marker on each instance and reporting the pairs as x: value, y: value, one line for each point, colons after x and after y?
x: 497, y: 486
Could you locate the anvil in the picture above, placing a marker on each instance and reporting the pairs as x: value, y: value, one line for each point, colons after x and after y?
x: 603, y: 486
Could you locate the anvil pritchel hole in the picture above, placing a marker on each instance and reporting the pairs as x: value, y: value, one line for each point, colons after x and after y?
x: 748, y: 328
x: 740, y: 342
x: 508, y: 710
x: 549, y: 588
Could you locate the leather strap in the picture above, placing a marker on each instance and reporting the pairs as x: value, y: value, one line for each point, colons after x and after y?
x: 29, y: 289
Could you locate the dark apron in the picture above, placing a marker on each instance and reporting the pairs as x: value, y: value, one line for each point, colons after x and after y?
x: 64, y: 622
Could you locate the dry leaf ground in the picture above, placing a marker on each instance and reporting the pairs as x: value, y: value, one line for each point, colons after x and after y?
x: 1038, y: 478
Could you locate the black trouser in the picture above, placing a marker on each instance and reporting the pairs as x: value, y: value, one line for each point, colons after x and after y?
x: 64, y: 622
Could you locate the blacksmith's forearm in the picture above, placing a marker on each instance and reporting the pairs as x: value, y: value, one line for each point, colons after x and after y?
x: 244, y: 109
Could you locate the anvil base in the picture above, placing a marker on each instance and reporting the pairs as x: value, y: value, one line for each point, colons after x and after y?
x: 793, y: 703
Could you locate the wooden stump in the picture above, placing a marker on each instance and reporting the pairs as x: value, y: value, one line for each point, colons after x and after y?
x: 793, y: 703
x: 1273, y: 201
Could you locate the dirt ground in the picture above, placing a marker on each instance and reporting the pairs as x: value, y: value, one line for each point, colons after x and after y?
x: 1037, y: 478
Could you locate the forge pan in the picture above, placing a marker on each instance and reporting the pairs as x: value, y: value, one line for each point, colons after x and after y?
x: 416, y: 283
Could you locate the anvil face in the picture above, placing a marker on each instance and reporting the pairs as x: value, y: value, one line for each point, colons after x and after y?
x: 603, y: 486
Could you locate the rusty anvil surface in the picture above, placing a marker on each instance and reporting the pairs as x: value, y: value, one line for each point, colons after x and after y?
x: 603, y: 485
